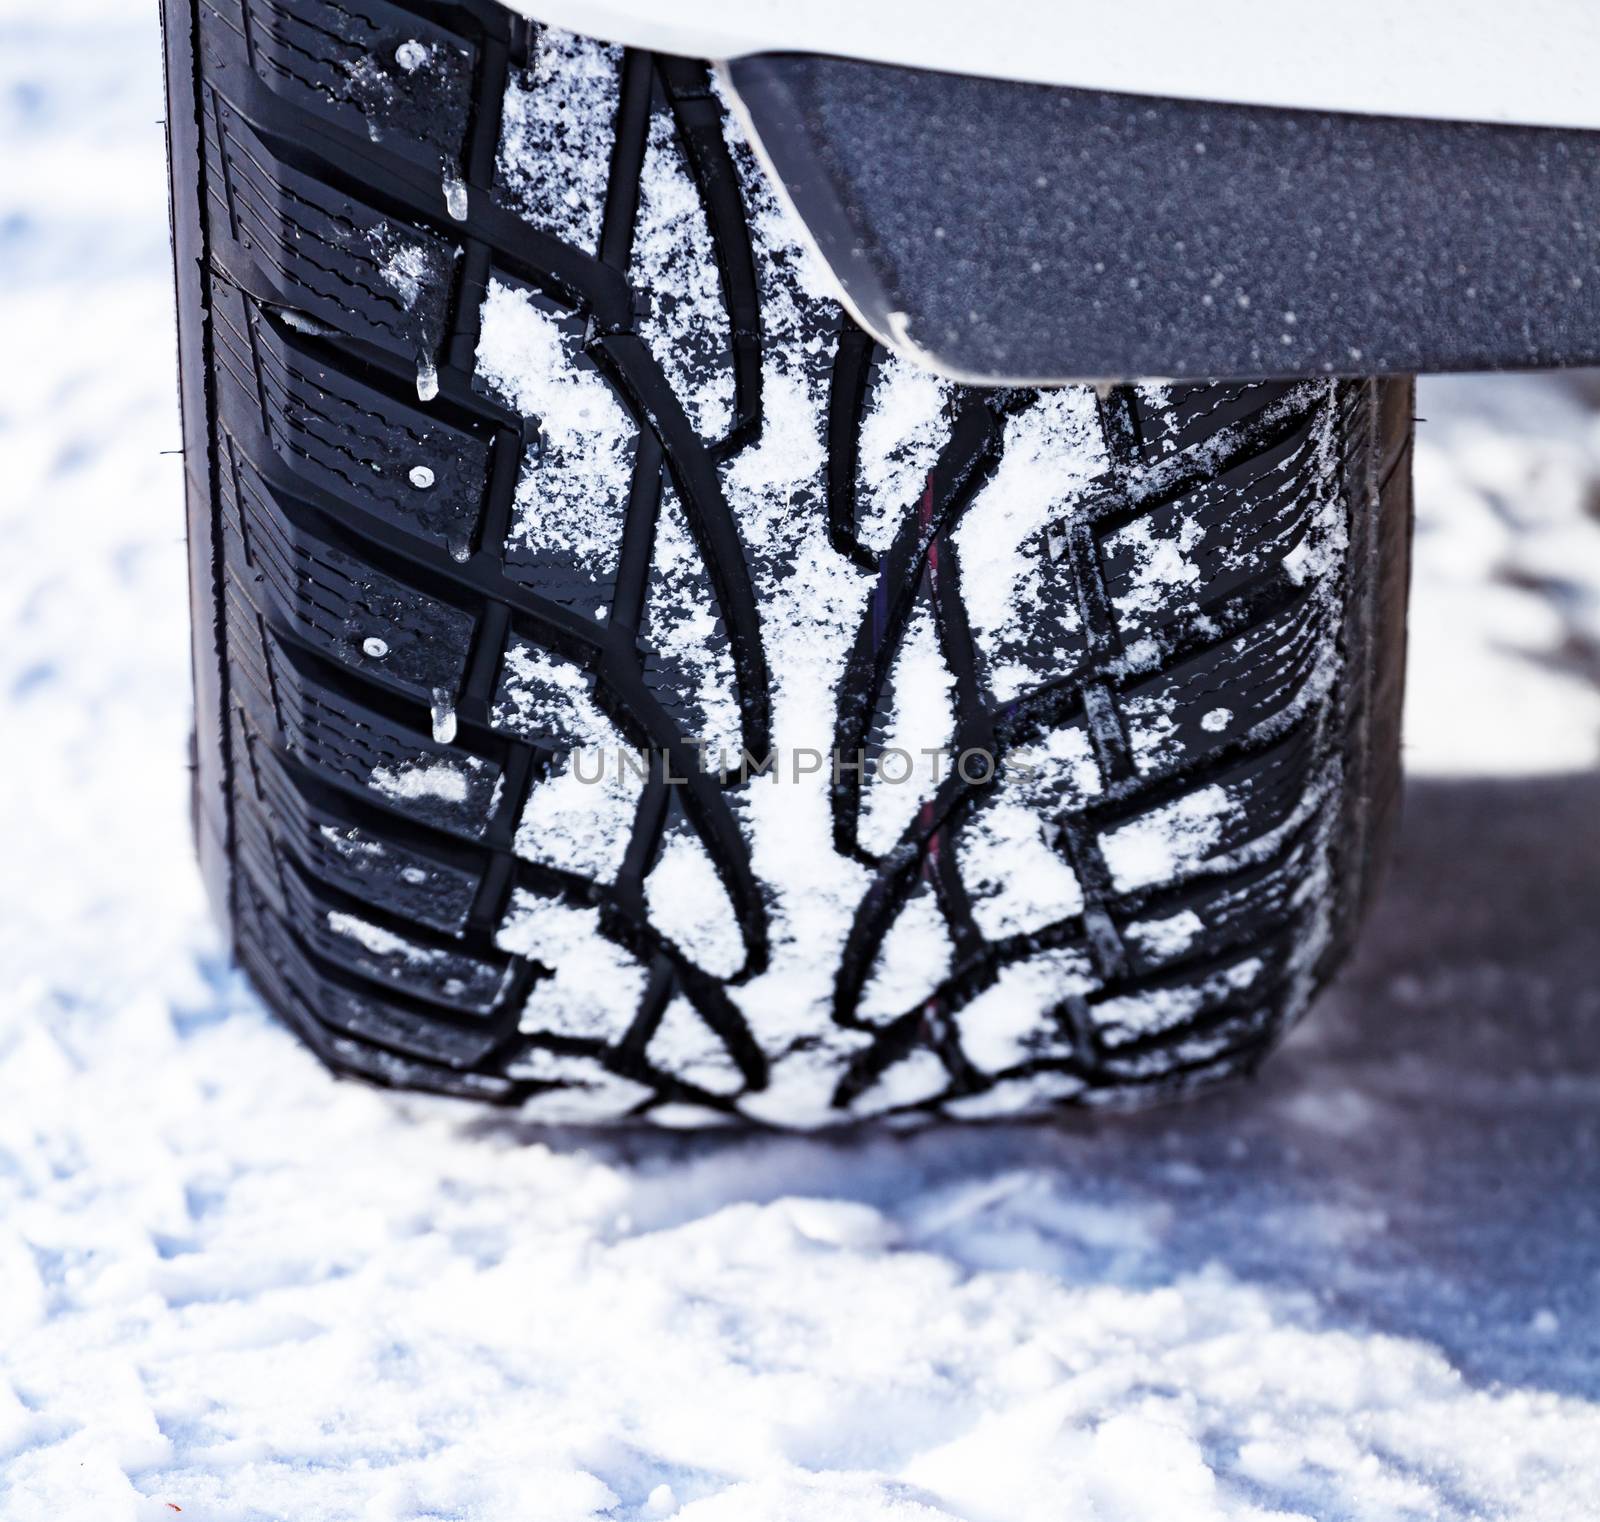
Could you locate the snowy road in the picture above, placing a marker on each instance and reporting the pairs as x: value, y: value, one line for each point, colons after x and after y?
x: 1363, y: 1288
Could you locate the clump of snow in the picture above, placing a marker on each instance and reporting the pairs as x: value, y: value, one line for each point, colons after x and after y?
x: 1319, y: 557
x: 1019, y: 597
x: 915, y: 1078
x: 411, y: 55
x: 1160, y: 567
x: 1148, y: 719
x: 303, y: 322
x: 1059, y: 770
x: 1167, y: 842
x: 579, y: 826
x: 1010, y: 1021
x: 903, y: 427
x: 352, y: 844
x: 555, y: 136
x: 443, y: 779
x: 575, y: 478
x: 914, y: 956
x: 684, y: 1045
x: 579, y: 816
x: 1155, y: 395
x: 689, y: 905
x: 921, y: 716
x: 377, y: 940
x: 1163, y: 939
x: 1013, y: 866
x: 404, y: 268
x: 547, y: 699
x: 594, y: 985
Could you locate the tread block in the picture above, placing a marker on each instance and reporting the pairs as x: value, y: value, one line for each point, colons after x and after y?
x: 363, y: 67
x: 686, y: 659
x: 1256, y: 683
x: 1238, y: 808
x: 345, y: 1006
x: 342, y: 437
x: 339, y: 604
x: 576, y: 472
x: 424, y: 971
x: 261, y: 953
x: 401, y: 881
x: 354, y: 744
x: 1159, y: 1006
x: 556, y: 132
x: 397, y: 877
x: 1239, y: 527
x: 1205, y: 919
x: 1169, y: 419
x: 334, y: 262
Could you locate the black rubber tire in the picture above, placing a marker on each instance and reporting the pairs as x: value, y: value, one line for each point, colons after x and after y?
x: 413, y: 602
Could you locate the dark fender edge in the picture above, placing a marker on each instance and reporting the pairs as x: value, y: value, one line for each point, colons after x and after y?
x: 1015, y: 233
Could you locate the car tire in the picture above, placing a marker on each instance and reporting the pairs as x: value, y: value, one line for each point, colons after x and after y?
x: 523, y: 429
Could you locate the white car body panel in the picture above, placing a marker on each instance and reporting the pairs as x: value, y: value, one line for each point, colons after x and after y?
x: 1532, y: 63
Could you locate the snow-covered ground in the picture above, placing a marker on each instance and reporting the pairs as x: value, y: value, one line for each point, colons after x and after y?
x: 1363, y: 1288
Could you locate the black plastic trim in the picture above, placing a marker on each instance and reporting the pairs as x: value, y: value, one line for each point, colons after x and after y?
x: 1029, y: 233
